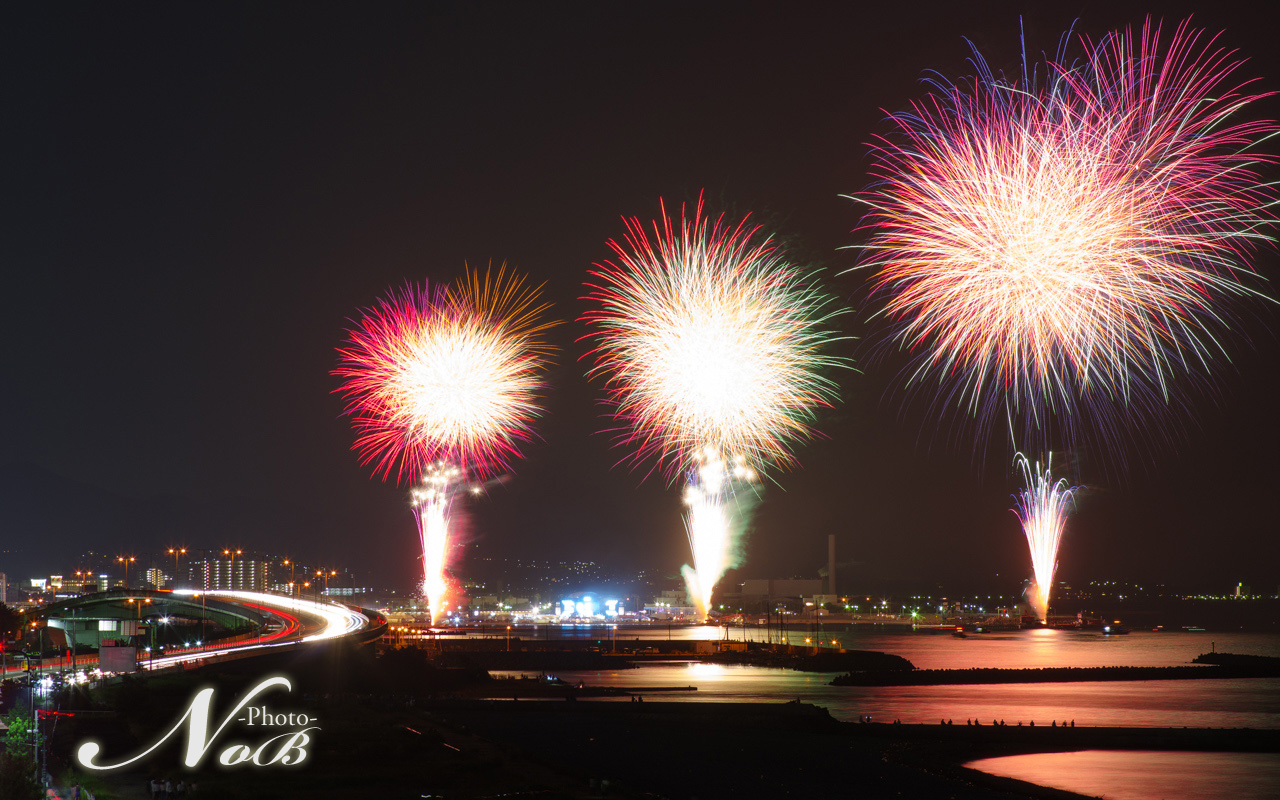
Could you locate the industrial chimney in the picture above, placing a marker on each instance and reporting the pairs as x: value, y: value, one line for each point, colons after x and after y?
x: 831, y: 564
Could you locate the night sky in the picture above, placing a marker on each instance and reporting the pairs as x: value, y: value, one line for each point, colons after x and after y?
x: 198, y: 198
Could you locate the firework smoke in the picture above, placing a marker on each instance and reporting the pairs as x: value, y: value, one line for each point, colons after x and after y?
x: 714, y: 521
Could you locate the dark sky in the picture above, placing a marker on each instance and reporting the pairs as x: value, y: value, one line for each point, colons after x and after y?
x: 198, y: 198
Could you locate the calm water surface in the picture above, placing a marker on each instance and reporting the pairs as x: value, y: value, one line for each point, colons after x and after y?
x: 1144, y: 775
x: 1235, y: 703
x: 1016, y: 649
x: 1253, y: 703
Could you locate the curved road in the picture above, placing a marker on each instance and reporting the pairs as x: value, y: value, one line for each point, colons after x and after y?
x: 291, y: 621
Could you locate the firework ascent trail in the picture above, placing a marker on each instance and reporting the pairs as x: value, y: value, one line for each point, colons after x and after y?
x: 442, y: 386
x: 710, y: 341
x: 1067, y: 245
x: 1042, y: 509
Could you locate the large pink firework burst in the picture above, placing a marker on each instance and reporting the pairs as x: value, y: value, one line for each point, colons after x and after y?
x: 1072, y: 245
x: 448, y: 375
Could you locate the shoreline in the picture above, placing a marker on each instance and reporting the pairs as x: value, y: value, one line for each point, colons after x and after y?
x: 861, y: 668
x: 876, y: 759
x: 428, y: 739
x: 992, y: 675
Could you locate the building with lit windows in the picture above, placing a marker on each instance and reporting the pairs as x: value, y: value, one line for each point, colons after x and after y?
x: 244, y: 573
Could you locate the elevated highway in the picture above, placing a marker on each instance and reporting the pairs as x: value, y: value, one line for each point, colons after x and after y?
x: 242, y: 624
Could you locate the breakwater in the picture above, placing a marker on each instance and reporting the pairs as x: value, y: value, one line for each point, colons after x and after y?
x: 1226, y: 668
x: 804, y: 660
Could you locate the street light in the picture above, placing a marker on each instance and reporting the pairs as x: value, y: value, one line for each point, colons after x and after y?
x: 126, y: 560
x: 232, y: 571
x: 202, y: 621
x: 326, y: 575
x: 291, y: 567
x: 139, y: 601
x: 175, y: 552
x: 151, y: 653
x: 39, y: 650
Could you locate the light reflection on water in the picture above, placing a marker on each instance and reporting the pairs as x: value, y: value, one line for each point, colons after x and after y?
x: 1041, y: 647
x: 1218, y: 703
x: 1146, y: 775
x: 1222, y: 703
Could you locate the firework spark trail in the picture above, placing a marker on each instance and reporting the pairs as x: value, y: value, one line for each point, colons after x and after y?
x: 1067, y: 245
x: 431, y: 500
x: 710, y: 343
x: 442, y: 385
x: 1042, y: 508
